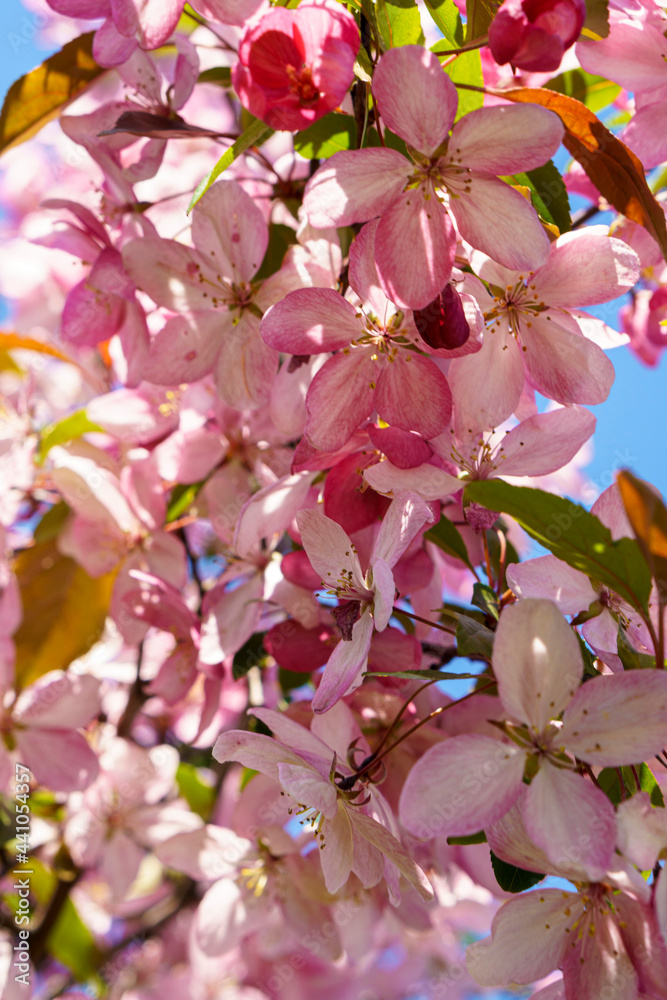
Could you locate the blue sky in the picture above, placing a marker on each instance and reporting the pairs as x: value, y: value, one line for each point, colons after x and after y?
x: 631, y: 424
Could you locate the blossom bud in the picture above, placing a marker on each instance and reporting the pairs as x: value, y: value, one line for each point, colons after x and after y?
x: 296, y: 65
x: 442, y: 323
x: 534, y: 34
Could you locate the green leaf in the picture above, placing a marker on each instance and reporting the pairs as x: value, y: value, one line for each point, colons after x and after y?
x: 513, y: 879
x: 448, y: 538
x: 281, y: 238
x: 327, y: 136
x: 474, y: 838
x: 467, y: 68
x: 549, y: 195
x: 608, y: 781
x: 71, y: 943
x: 572, y: 534
x: 595, y: 92
x: 586, y: 655
x: 182, y: 496
x: 36, y: 98
x: 473, y: 639
x: 399, y: 23
x: 221, y: 75
x: 485, y: 597
x: 479, y: 15
x: 596, y: 24
x: 251, y: 654
x: 67, y: 429
x: 630, y: 657
x: 196, y: 789
x: 446, y: 15
x: 52, y: 523
x: 255, y: 134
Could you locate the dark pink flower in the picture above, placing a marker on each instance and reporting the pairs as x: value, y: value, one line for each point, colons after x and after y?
x: 296, y: 65
x: 534, y: 34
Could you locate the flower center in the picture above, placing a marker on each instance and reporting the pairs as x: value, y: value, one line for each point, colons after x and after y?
x: 301, y: 84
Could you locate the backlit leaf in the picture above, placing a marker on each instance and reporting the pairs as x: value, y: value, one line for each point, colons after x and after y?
x: 594, y: 91
x: 327, y: 136
x: 648, y: 516
x: 64, y: 611
x: 67, y: 429
x: 255, y: 134
x: 36, y: 98
x: 572, y: 534
x: 614, y: 170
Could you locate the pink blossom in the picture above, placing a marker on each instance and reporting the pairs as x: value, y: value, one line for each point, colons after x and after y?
x: 376, y: 365
x: 368, y: 598
x: 42, y: 722
x: 534, y: 34
x: 533, y: 327
x: 466, y: 783
x: 310, y: 766
x: 415, y: 241
x: 296, y: 65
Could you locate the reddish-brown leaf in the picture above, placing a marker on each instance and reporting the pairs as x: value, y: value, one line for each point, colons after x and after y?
x: 616, y: 172
x: 37, y: 97
x: 145, y: 123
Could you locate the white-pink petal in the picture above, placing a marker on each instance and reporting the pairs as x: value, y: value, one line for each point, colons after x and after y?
x: 506, y: 140
x: 537, y: 662
x: 553, y: 580
x: 571, y: 820
x: 311, y: 321
x: 585, y: 268
x: 355, y: 186
x: 619, y: 719
x: 459, y: 786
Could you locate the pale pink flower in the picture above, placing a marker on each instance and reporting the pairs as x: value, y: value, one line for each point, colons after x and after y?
x: 296, y: 65
x: 466, y: 783
x: 367, y: 598
x: 122, y: 814
x: 533, y: 327
x: 43, y: 722
x: 415, y: 242
x: 534, y: 34
x: 605, y: 937
x: 376, y: 365
x: 353, y: 836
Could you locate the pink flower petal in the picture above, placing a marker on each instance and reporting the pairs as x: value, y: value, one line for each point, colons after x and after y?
x: 229, y: 228
x: 261, y: 753
x: 170, y: 273
x: 427, y: 481
x: 330, y: 551
x: 582, y: 832
x: 59, y: 758
x: 417, y: 100
x: 537, y: 662
x: 246, y: 366
x: 506, y: 140
x: 311, y: 321
x: 392, y: 850
x: 413, y: 395
x: 185, y: 349
x: 420, y: 222
x: 499, y: 368
x: 355, y: 186
x: 340, y: 397
x: 460, y: 786
x: 497, y: 220
x: 546, y: 442
x: 529, y: 936
x: 564, y: 365
x: 345, y: 666
x: 617, y: 720
x: 549, y: 578
x: 337, y: 854
x: 405, y: 517
x: 585, y: 268
x: 309, y: 788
